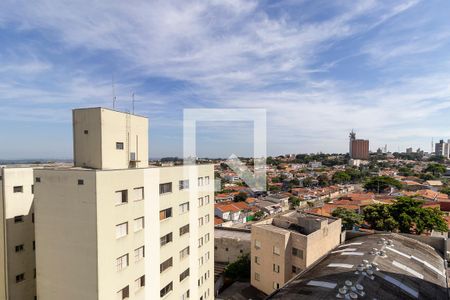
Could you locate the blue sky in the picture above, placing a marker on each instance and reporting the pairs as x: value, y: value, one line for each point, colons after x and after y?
x: 320, y: 68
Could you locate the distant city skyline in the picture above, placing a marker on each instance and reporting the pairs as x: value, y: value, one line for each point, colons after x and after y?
x: 319, y: 68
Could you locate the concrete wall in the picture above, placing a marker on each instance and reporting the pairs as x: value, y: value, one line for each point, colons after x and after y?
x: 15, y: 234
x: 3, y: 269
x: 229, y: 249
x: 66, y: 235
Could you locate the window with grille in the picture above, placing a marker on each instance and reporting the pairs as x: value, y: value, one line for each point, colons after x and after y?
x: 166, y: 239
x: 139, y: 254
x: 165, y: 213
x: 184, y: 229
x: 139, y: 224
x: 121, y: 230
x: 184, y: 207
x: 165, y: 265
x: 184, y: 184
x: 165, y: 188
x: 122, y: 262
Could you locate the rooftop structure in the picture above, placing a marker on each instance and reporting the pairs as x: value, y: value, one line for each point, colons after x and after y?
x: 287, y: 244
x: 380, y: 266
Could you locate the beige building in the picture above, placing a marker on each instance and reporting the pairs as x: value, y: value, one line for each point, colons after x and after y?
x: 230, y: 244
x: 285, y: 245
x: 17, y: 246
x: 114, y: 228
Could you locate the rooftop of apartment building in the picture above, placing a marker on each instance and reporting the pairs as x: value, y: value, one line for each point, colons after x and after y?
x: 232, y: 233
x: 295, y: 221
x: 378, y: 266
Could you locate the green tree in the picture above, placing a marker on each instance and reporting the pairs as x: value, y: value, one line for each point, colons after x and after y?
x: 445, y: 190
x: 426, y: 176
x: 240, y: 269
x: 349, y: 217
x: 241, y: 196
x: 295, y: 201
x: 258, y: 215
x: 323, y: 180
x: 341, y: 177
x: 307, y: 182
x: 405, y: 215
x: 381, y: 183
x: 436, y: 169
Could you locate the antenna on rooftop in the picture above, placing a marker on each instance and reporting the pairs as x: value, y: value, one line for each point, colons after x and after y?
x: 132, y: 103
x: 113, y: 92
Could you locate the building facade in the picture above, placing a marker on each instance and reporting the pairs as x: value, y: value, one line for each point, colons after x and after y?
x: 442, y: 149
x: 113, y: 228
x: 17, y: 243
x: 358, y: 148
x: 287, y: 244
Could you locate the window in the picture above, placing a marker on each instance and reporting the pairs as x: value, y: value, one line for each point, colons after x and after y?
x: 200, y: 181
x: 166, y: 239
x: 121, y: 197
x: 20, y: 277
x: 121, y: 230
x: 184, y: 184
x: 257, y: 244
x: 184, y: 275
x: 165, y: 290
x: 185, y: 295
x: 200, y: 242
x: 257, y: 260
x: 86, y: 131
x: 206, y: 199
x: 34, y: 245
x: 124, y: 293
x: 19, y: 248
x: 139, y: 224
x: 276, y: 268
x: 200, y: 201
x: 184, y: 253
x: 139, y: 254
x: 200, y: 221
x: 297, y: 252
x: 38, y: 179
x: 206, y: 238
x: 296, y: 270
x: 119, y: 145
x: 80, y: 182
x: 207, y: 256
x: 165, y: 265
x: 165, y: 188
x: 18, y: 219
x: 32, y: 217
x: 200, y: 261
x: 184, y: 207
x: 206, y: 219
x: 18, y: 189
x: 165, y: 213
x: 206, y: 180
x: 184, y: 229
x: 140, y: 282
x: 138, y: 193
x: 122, y: 262
x: 276, y: 250
x: 32, y: 188
x: 276, y: 286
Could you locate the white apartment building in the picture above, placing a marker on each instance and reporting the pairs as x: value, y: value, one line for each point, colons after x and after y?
x: 111, y: 227
x: 17, y: 246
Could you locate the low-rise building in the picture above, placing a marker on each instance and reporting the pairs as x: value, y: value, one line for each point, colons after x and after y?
x: 285, y: 245
x: 230, y: 244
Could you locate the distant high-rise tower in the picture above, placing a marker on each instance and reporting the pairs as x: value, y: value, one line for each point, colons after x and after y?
x: 442, y: 149
x: 358, y: 148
